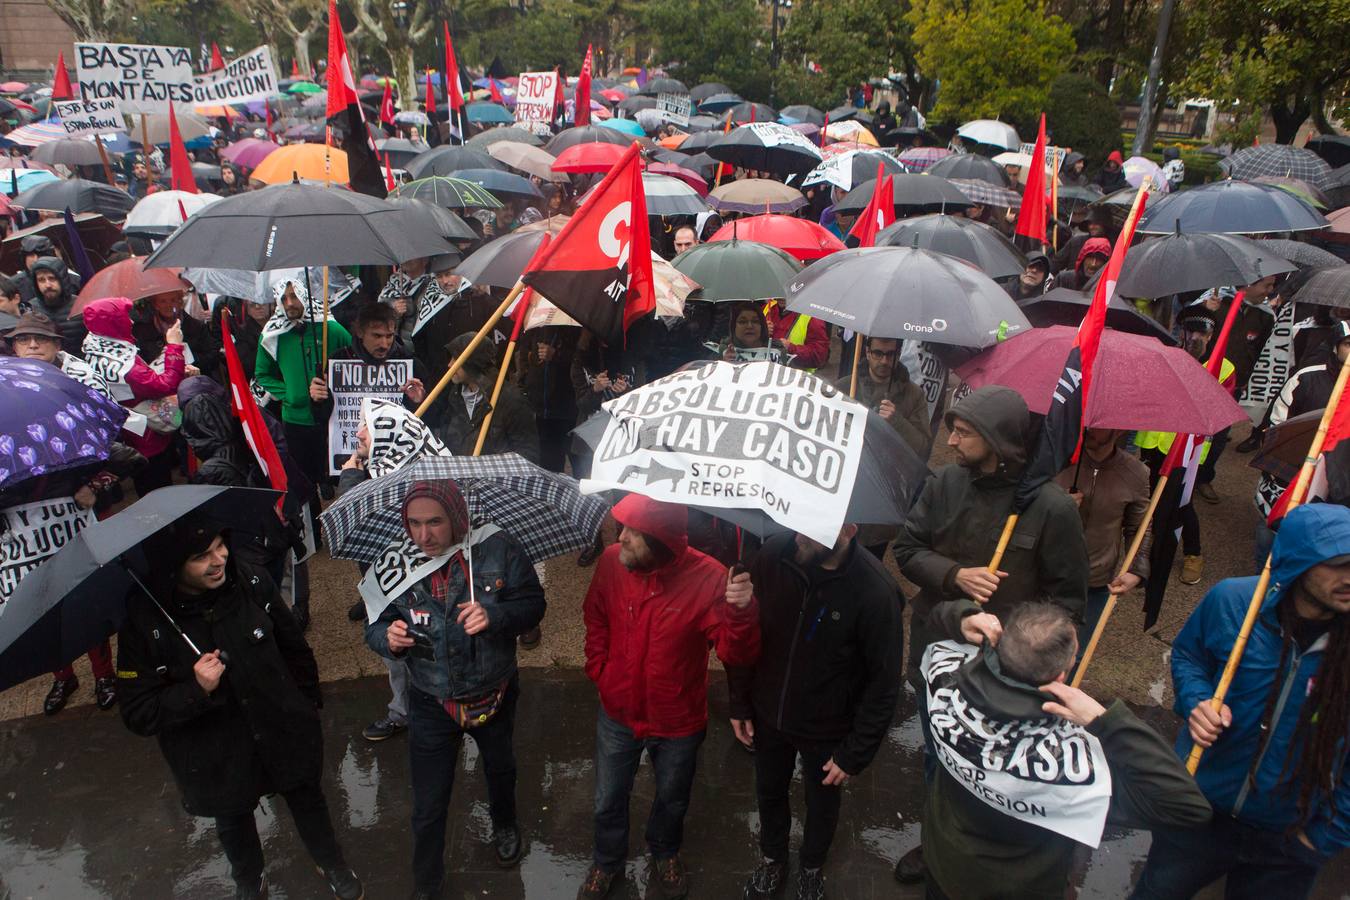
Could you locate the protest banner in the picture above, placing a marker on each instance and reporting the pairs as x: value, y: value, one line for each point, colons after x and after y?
x: 737, y: 436
x: 675, y: 108
x: 349, y: 382
x: 401, y: 565
x: 1054, y: 156
x: 1046, y: 772
x: 81, y: 117
x: 142, y: 78
x: 535, y: 94
x: 250, y: 78
x: 33, y: 532
x: 430, y: 300
x: 1273, y: 367
x: 397, y: 437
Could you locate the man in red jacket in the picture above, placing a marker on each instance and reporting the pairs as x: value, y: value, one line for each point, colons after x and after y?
x: 654, y: 607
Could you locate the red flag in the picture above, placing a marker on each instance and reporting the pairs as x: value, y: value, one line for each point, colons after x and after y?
x: 267, y: 106
x: 295, y: 68
x: 824, y: 128
x: 341, y: 85
x: 61, y: 83
x: 179, y: 164
x: 559, y: 101
x: 454, y: 96
x: 250, y: 417
x: 217, y: 61
x: 581, y: 103
x: 599, y: 268
x: 880, y: 210
x: 430, y: 102
x: 389, y: 184
x: 387, y: 103
x: 1031, y: 218
x: 496, y: 92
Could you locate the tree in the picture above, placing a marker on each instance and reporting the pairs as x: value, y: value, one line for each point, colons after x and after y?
x: 298, y: 21
x: 710, y: 40
x: 994, y: 59
x: 93, y: 20
x: 851, y: 41
x: 1082, y: 115
x: 398, y: 25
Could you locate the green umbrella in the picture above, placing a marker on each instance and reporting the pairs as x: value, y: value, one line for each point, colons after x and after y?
x: 304, y: 87
x: 737, y: 270
x: 449, y: 193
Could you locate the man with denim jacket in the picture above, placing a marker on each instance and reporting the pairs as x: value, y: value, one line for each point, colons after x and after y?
x: 457, y: 628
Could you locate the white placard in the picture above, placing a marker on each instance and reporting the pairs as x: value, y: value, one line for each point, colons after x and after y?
x: 142, y: 78
x: 81, y: 117
x: 247, y: 79
x: 535, y: 96
x: 33, y: 532
x: 675, y: 107
x: 1273, y: 367
x: 349, y: 382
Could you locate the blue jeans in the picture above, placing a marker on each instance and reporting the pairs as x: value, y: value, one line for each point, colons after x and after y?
x: 617, y: 756
x: 1260, y: 864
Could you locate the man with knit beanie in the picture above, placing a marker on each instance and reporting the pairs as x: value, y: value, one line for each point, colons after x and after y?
x: 457, y: 627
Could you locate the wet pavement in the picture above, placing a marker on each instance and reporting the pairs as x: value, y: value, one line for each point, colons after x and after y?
x: 88, y: 810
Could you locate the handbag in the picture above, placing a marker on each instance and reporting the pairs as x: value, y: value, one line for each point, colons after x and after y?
x: 474, y: 712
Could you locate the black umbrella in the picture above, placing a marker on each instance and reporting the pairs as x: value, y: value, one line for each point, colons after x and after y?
x: 78, y: 195
x: 586, y: 134
x: 697, y: 143
x: 421, y: 214
x: 803, y: 113
x: 1180, y: 263
x: 447, y: 193
x: 400, y: 151
x: 1327, y: 287
x: 904, y: 293
x: 631, y: 105
x: 843, y: 113
x: 1334, y: 148
x: 747, y: 111
x: 499, y: 262
x: 510, y: 133
x: 702, y: 123
x: 906, y: 134
x: 656, y: 86
x: 767, y: 147
x: 909, y: 190
x: 1305, y: 256
x: 737, y: 270
x: 971, y: 165
x: 502, y: 184
x: 717, y: 104
x: 294, y: 225
x: 700, y: 92
x: 982, y: 245
x: 1066, y: 306
x: 447, y: 160
x: 1230, y: 207
x: 77, y: 598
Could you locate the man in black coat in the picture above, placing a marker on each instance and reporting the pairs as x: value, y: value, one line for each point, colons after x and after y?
x: 457, y: 416
x: 239, y: 719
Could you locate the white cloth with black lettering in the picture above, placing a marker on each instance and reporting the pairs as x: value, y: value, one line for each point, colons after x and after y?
x: 397, y: 437
x: 112, y: 361
x: 32, y: 532
x: 402, y: 565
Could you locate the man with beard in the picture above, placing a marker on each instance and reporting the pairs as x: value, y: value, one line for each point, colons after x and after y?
x: 377, y: 343
x: 53, y: 297
x: 824, y: 689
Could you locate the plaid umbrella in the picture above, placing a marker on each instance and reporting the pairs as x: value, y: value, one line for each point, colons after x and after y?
x: 988, y: 194
x: 542, y: 510
x: 916, y: 159
x: 1278, y: 159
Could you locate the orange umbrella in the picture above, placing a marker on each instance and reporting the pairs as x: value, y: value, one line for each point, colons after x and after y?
x: 674, y: 141
x: 129, y: 278
x: 304, y: 160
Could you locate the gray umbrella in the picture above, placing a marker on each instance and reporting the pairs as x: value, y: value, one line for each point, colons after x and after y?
x: 1303, y: 255
x: 499, y: 262
x: 1230, y: 207
x: 510, y: 133
x: 901, y: 292
x: 1327, y: 287
x: 448, y: 159
x: 971, y: 165
x: 423, y: 214
x: 1179, y: 263
x: 1066, y: 306
x: 977, y: 243
x: 68, y: 152
x: 737, y: 270
x: 907, y: 190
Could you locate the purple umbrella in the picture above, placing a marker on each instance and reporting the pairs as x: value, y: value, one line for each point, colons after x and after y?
x: 248, y: 152
x: 51, y: 421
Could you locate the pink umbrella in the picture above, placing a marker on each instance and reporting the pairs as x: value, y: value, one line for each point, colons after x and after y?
x: 248, y: 152
x: 13, y: 87
x: 1139, y: 168
x: 800, y: 238
x: 1137, y: 382
x: 691, y: 178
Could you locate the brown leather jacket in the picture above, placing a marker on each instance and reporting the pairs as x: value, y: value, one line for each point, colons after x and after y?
x: 1115, y: 498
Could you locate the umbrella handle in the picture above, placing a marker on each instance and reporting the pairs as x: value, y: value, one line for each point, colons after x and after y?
x: 164, y: 612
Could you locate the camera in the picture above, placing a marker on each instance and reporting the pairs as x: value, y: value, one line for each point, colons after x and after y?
x: 422, y: 647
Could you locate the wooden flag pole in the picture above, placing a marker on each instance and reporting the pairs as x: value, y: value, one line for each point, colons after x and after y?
x: 521, y: 315
x: 857, y: 358
x: 1002, y: 543
x: 145, y: 150
x: 1299, y: 490
x: 107, y: 166
x: 458, y: 362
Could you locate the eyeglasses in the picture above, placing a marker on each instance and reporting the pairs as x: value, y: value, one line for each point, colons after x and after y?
x: 881, y: 354
x: 962, y: 433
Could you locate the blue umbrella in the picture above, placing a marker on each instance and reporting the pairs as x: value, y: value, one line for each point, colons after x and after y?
x: 627, y: 126
x: 487, y: 113
x: 14, y: 181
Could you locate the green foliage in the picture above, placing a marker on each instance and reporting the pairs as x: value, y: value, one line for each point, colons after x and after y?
x: 852, y: 41
x: 994, y: 59
x: 712, y: 40
x: 1081, y: 115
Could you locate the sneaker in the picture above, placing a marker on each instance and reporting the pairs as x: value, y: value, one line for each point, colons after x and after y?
x: 530, y: 639
x: 58, y: 695
x: 671, y: 878
x: 766, y: 881
x: 1191, y: 569
x: 911, y: 869
x: 810, y: 885
x: 506, y: 841
x: 382, y: 729
x: 254, y: 891
x: 357, y: 612
x: 598, y: 884
x: 105, y: 692
x: 343, y: 882
x: 1207, y: 493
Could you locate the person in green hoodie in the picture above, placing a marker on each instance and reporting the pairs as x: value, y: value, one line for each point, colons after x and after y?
x: 1031, y: 767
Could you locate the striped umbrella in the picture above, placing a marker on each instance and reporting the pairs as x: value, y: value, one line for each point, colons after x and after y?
x: 451, y: 193
x: 35, y: 133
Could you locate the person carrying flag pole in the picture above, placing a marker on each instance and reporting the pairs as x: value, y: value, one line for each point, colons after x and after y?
x: 522, y: 313
x: 880, y: 212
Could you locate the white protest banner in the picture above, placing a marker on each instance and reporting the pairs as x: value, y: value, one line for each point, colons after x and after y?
x: 249, y: 78
x: 1273, y: 367
x: 1054, y: 156
x: 401, y: 565
x: 1046, y: 772
x: 675, y: 107
x: 431, y: 300
x: 33, y: 532
x: 397, y: 437
x: 81, y: 117
x: 737, y: 436
x: 930, y: 374
x: 349, y: 382
x: 143, y: 78
x: 535, y: 93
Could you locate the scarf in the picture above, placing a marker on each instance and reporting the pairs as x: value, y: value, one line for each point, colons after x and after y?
x: 111, y: 360
x: 280, y: 323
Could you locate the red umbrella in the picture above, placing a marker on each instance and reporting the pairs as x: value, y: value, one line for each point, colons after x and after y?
x: 1137, y: 381
x: 589, y: 157
x: 128, y: 278
x: 688, y: 176
x: 613, y: 95
x: 799, y: 238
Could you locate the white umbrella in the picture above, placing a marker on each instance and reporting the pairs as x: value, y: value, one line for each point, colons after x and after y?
x: 162, y: 212
x: 992, y: 132
x: 1139, y: 168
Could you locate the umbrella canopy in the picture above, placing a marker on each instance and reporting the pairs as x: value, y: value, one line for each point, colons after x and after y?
x: 1305, y: 256
x: 1286, y: 445
x: 1314, y: 197
x: 656, y: 86
x: 501, y: 184
x: 1179, y: 263
x: 400, y: 151
x: 1327, y: 287
x: 257, y: 286
x: 852, y: 168
x: 904, y: 293
x: 527, y: 159
x: 802, y: 113
x: 422, y: 214
x: 1137, y: 382
x: 129, y: 278
x: 248, y: 152
x: 986, y: 194
x: 190, y: 125
x: 843, y: 113
x: 77, y: 195
x: 412, y: 117
x: 701, y: 141
x: 1139, y: 169
x: 290, y: 225
x: 767, y: 147
x: 688, y: 176
x: 589, y: 157
x: 700, y: 92
x: 991, y: 132
x: 36, y: 133
x: 746, y: 111
x: 1278, y: 159
x: 737, y: 270
x: 448, y: 159
x: 1066, y: 306
x: 586, y: 134
x: 68, y: 152
x: 15, y: 180
x: 630, y: 106
x: 982, y: 245
x: 448, y: 193
x: 509, y: 134
x: 801, y: 239
x: 1334, y: 148
x: 622, y: 127
x: 310, y: 162
x: 488, y: 113
x: 1230, y: 207
x: 161, y: 213
x: 500, y: 262
x: 96, y: 233
x: 851, y: 130
x: 667, y: 196
x: 756, y: 195
x: 304, y: 87
x: 909, y: 190
x: 972, y: 166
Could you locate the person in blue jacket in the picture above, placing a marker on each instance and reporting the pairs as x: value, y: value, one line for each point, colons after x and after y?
x: 1274, y: 766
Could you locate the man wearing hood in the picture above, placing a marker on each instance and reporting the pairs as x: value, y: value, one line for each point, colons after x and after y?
x: 53, y: 296
x: 1275, y: 753
x: 1035, y: 279
x: 1098, y: 224
x: 1095, y: 253
x: 1071, y: 173
x: 946, y: 544
x: 462, y: 407
x: 457, y: 626
x: 1111, y: 178
x: 654, y: 608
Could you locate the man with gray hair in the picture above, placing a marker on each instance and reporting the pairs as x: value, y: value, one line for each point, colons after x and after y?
x: 1031, y: 767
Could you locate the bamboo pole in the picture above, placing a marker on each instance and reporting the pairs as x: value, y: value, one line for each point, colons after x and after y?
x: 521, y: 315
x: 458, y: 363
x: 145, y: 150
x: 107, y: 165
x: 1002, y: 543
x: 857, y: 358
x: 1298, y: 491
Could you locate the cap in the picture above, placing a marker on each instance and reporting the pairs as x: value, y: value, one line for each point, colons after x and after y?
x: 444, y: 262
x: 37, y: 243
x: 34, y: 323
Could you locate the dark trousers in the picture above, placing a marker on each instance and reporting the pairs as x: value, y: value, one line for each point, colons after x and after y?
x: 775, y: 762
x: 308, y: 448
x: 239, y: 835
x: 555, y: 436
x: 1260, y: 864
x: 1205, y: 473
x: 433, y: 749
x: 617, y: 756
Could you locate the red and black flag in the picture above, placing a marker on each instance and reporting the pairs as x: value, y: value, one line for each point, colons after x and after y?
x: 599, y: 268
x: 344, y: 107
x: 1061, y: 435
x: 581, y: 102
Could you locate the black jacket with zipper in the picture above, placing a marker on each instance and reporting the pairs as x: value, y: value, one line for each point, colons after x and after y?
x: 831, y: 649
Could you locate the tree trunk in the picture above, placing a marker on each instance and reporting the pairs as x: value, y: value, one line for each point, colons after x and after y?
x: 401, y: 64
x: 302, y: 52
x: 1289, y: 120
x: 1319, y: 115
